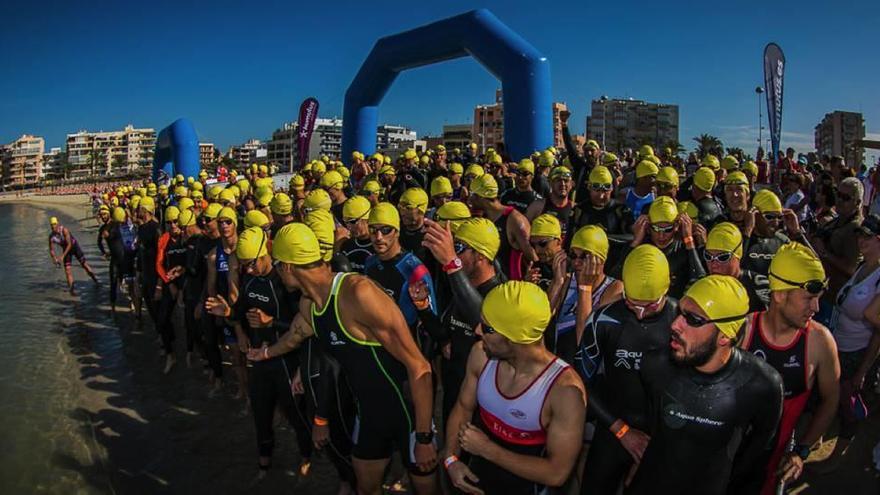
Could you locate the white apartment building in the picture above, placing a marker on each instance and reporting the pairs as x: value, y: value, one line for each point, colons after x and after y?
x: 22, y: 161
x: 110, y: 152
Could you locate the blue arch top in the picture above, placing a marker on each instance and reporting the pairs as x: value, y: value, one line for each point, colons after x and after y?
x: 523, y: 71
x: 177, y: 151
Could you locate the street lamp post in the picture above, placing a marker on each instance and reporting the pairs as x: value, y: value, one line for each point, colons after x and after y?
x: 758, y: 91
x: 604, y: 100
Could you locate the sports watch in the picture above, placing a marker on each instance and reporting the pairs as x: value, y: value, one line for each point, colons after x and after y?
x: 424, y: 437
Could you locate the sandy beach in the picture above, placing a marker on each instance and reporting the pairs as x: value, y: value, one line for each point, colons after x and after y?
x: 147, y: 432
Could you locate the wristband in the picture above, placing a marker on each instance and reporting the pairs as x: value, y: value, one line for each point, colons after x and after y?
x: 265, y: 352
x: 423, y: 304
x: 585, y: 288
x: 688, y: 240
x: 622, y: 431
x: 319, y: 421
x: 455, y: 264
x: 452, y: 459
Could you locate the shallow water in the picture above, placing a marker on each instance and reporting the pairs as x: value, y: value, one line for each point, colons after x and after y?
x: 50, y: 361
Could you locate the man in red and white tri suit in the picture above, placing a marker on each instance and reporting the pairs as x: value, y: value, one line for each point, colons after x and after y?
x: 531, y: 405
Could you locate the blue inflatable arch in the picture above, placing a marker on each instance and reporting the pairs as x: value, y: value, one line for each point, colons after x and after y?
x: 523, y: 71
x: 177, y: 151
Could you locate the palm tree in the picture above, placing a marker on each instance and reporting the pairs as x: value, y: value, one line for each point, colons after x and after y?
x: 708, y: 144
x: 675, y: 146
x: 737, y: 152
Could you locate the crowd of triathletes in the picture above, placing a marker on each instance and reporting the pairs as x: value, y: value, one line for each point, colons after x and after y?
x: 636, y: 322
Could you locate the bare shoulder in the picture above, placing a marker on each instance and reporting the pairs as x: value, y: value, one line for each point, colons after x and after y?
x: 820, y: 337
x: 569, y: 389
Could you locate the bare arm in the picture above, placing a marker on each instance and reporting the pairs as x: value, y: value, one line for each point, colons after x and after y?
x: 518, y: 231
x: 211, y: 276
x: 67, y: 241
x: 872, y: 314
x: 233, y: 278
x: 464, y: 407
x: 390, y: 329
x: 568, y: 402
x: 828, y: 380
x: 52, y: 251
x: 300, y: 330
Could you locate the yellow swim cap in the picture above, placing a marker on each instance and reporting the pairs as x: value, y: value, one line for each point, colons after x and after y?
x: 281, y: 204
x: 134, y: 202
x: 710, y: 161
x: 546, y: 159
x: 197, y: 186
x: 481, y: 235
x: 322, y: 224
x: 526, y: 165
x: 118, y: 214
x: 592, y: 239
x: 180, y: 191
x: 148, y: 204
x: 355, y: 208
x: 317, y: 199
x: 185, y: 204
x: 226, y: 195
x: 766, y: 201
x: 668, y: 175
x: 197, y: 195
x: 560, y: 173
x: 297, y: 182
x: 645, y: 151
x: 378, y: 157
x: 387, y: 170
x: 456, y: 168
x: 212, y: 211
x: 440, y: 185
x: 704, y: 179
x: 736, y: 178
x: 372, y: 187
x: 663, y: 210
x: 795, y: 263
x: 688, y: 209
x: 645, y: 274
x: 750, y: 167
x: 385, y: 214
x: 646, y: 168
x: 319, y: 168
x: 721, y: 297
x: 242, y: 185
x: 485, y: 186
x: 171, y: 213
x: 517, y: 310
x: 255, y: 218
x: 332, y: 180
x: 186, y: 218
x: 414, y: 197
x: 296, y: 244
x: 455, y: 212
x: 729, y: 163
x: 725, y: 236
x: 475, y: 171
x: 600, y: 175
x: 251, y: 244
x: 546, y: 225
x: 343, y: 171
x: 214, y: 192
x: 228, y: 214
x: 609, y: 159
x: 410, y: 155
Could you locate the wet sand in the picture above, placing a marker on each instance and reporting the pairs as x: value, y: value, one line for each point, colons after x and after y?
x: 145, y: 432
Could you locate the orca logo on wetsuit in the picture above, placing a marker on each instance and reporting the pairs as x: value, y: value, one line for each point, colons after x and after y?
x: 762, y: 256
x: 760, y: 354
x: 259, y: 297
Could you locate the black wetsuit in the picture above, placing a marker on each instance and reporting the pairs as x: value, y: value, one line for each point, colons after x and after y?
x: 510, y: 259
x: 385, y: 417
x: 148, y: 244
x: 760, y: 251
x: 708, y: 431
x: 456, y: 326
x: 609, y: 360
x: 710, y: 212
x: 613, y: 218
x: 122, y: 246
x: 269, y: 381
x: 411, y: 240
x: 197, y: 249
x: 406, y: 178
x: 562, y: 213
x: 174, y: 255
x: 357, y: 251
x: 520, y: 199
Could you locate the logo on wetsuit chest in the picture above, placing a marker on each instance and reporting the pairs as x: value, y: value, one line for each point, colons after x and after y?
x: 676, y: 416
x: 762, y: 256
x: 258, y: 297
x: 334, y: 339
x: 630, y: 360
x: 792, y: 362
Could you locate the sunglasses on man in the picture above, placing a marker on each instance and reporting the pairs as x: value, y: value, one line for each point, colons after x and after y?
x: 601, y: 187
x: 814, y: 287
x: 694, y: 320
x: 381, y: 229
x: 662, y: 229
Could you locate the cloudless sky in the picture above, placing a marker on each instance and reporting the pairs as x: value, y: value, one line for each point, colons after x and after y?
x: 240, y: 69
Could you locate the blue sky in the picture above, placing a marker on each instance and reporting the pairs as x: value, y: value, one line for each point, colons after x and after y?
x: 240, y: 69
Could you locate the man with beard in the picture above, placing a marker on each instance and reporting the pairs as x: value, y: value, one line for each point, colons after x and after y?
x: 642, y: 194
x: 527, y: 405
x: 522, y: 195
x: 609, y: 359
x: 715, y: 412
x: 412, y: 207
x: 546, y: 239
x: 736, y: 197
x: 801, y: 350
x: 599, y: 208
